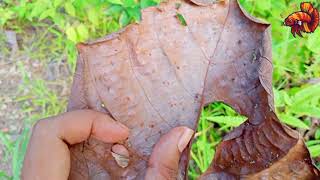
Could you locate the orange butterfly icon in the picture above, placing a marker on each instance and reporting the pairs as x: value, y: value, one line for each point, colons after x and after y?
x: 306, y: 20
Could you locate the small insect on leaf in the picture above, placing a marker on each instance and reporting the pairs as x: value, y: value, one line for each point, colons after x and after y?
x: 181, y: 19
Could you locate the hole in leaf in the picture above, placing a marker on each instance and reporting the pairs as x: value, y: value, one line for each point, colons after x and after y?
x: 216, y: 120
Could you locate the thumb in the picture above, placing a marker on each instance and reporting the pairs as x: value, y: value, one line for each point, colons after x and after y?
x: 164, y: 160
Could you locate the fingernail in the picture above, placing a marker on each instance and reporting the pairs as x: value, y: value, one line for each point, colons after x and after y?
x: 185, y: 139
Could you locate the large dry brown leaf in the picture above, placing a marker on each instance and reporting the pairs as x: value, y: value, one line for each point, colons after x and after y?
x: 158, y: 74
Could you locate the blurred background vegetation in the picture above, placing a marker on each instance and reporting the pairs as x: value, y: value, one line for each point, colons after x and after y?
x: 38, y: 55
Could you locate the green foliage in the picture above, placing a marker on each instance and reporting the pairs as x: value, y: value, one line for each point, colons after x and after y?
x: 215, y: 121
x: 75, y: 20
x: 314, y: 146
x: 19, y: 150
x: 296, y: 104
x: 39, y: 98
x: 16, y: 149
x: 317, y: 134
x: 293, y: 121
x: 295, y: 59
x: 4, y: 176
x: 228, y: 121
x: 315, y: 150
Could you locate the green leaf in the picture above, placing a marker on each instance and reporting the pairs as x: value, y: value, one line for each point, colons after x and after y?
x: 6, y: 15
x: 314, y: 150
x: 70, y: 8
x: 124, y: 19
x: 114, y: 9
x: 134, y: 13
x: 37, y: 10
x: 115, y: 2
x: 232, y: 121
x: 308, y: 110
x: 293, y: 121
x: 93, y: 16
x: 113, y: 25
x: 264, y: 5
x: 5, y: 140
x: 317, y: 134
x: 147, y: 3
x: 4, y: 175
x: 312, y: 142
x: 306, y: 94
x: 19, y: 153
x: 314, y: 41
x: 278, y: 99
x: 181, y: 19
x: 47, y: 13
x: 286, y: 98
x: 129, y: 3
x: 59, y: 20
x: 281, y: 98
x: 83, y: 33
x: 56, y: 3
x: 71, y: 34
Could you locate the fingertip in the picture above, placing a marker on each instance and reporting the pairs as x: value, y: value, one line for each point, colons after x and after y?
x: 125, y: 129
x: 109, y: 130
x: 176, y: 140
x: 185, y: 138
x: 77, y: 126
x: 165, y: 156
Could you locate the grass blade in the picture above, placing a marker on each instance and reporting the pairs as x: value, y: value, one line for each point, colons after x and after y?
x: 232, y: 121
x: 314, y: 150
x: 293, y: 121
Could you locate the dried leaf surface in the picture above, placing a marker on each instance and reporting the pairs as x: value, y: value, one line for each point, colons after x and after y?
x: 158, y: 74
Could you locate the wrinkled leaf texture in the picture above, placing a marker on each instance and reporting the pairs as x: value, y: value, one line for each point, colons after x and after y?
x: 158, y: 74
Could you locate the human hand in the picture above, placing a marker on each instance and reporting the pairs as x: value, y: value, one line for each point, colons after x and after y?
x: 48, y: 155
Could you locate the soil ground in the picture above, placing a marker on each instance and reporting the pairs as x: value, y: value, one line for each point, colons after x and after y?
x: 20, y: 58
